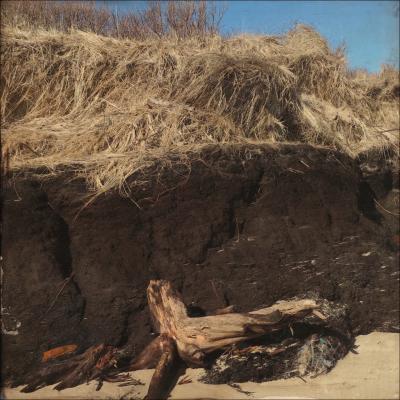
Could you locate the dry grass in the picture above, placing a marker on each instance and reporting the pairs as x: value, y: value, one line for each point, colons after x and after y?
x: 108, y: 108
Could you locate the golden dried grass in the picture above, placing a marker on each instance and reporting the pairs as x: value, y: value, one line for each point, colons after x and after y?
x: 108, y: 108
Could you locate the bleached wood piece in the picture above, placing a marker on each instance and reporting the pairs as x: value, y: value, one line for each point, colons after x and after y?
x: 196, y: 337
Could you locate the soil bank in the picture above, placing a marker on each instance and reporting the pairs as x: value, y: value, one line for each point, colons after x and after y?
x: 248, y: 225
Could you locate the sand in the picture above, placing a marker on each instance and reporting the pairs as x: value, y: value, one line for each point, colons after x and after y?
x: 371, y: 374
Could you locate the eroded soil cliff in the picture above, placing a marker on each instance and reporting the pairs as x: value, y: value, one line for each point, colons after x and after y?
x: 244, y: 226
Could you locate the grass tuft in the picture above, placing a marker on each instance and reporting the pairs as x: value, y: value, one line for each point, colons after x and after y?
x: 107, y: 108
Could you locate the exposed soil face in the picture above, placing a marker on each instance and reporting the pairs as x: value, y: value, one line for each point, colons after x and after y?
x: 276, y: 225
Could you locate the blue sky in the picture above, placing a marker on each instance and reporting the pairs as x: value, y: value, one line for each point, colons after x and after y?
x: 370, y: 29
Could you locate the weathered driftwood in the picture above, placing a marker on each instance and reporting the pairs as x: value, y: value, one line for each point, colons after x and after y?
x: 195, y: 337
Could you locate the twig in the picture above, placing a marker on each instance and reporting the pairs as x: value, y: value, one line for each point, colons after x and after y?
x: 67, y: 280
x: 237, y: 230
x: 132, y: 382
x: 184, y: 380
x: 215, y: 291
x: 388, y: 130
x: 384, y: 209
x: 239, y: 389
x: 15, y: 190
x: 305, y: 164
x: 295, y: 171
x: 113, y: 105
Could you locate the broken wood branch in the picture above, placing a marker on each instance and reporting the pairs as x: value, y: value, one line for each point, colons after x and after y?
x: 166, y: 373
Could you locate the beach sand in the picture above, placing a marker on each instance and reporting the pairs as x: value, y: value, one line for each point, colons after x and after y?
x: 371, y: 374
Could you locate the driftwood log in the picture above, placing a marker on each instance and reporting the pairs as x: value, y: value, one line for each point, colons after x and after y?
x: 194, y: 338
x: 182, y: 341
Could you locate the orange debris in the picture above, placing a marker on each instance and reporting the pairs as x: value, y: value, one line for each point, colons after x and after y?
x: 58, y: 352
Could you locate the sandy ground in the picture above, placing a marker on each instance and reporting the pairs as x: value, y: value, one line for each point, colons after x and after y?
x: 371, y: 374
